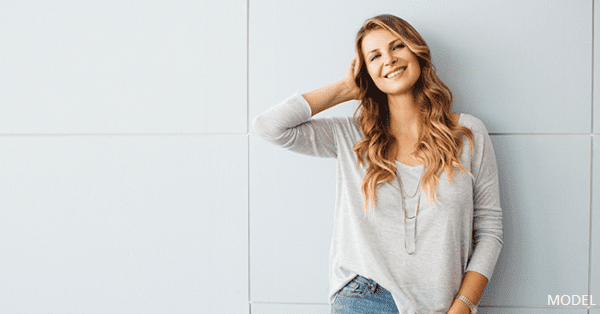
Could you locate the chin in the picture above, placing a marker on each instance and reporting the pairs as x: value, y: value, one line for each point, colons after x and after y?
x: 400, y: 91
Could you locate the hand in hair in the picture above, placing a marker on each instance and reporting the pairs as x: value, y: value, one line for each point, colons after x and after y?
x: 350, y: 79
x: 336, y: 93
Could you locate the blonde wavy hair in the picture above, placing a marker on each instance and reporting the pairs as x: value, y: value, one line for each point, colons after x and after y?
x: 440, y: 142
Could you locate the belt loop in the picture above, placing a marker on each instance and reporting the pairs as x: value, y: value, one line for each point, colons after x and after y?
x: 373, y: 287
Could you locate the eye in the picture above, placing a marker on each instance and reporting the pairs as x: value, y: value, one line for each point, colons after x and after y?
x: 398, y: 46
x: 374, y: 57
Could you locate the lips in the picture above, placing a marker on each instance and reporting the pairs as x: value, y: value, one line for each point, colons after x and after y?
x: 395, y: 72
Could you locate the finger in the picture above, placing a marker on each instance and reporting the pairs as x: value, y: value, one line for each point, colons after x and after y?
x: 356, y: 67
x: 351, y: 68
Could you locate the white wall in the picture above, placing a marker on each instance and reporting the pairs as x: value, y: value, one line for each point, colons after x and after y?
x: 131, y: 181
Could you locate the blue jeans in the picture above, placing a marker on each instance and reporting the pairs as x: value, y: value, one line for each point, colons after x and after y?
x: 363, y: 296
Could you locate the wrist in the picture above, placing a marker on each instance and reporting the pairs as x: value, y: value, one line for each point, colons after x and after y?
x: 346, y: 90
x: 465, y: 302
x: 459, y: 307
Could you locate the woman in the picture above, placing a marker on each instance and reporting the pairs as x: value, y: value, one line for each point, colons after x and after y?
x: 418, y: 223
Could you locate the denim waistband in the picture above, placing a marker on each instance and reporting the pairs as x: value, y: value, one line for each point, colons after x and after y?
x: 366, y: 280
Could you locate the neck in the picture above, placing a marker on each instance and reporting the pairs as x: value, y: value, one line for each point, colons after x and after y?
x: 404, y: 115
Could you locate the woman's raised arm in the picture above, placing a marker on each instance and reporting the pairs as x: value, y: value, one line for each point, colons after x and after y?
x: 336, y: 93
x: 289, y: 124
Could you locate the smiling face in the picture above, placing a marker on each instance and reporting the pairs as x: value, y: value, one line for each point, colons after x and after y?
x: 391, y: 65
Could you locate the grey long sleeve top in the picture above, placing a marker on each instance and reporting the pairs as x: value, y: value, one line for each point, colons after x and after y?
x: 462, y: 232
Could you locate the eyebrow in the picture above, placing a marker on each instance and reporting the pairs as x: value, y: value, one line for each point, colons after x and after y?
x: 391, y: 43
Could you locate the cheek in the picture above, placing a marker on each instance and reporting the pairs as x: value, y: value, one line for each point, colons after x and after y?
x: 417, y: 65
x: 418, y: 72
x: 371, y: 72
x: 374, y: 74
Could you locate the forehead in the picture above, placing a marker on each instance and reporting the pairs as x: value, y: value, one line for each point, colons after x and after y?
x: 377, y: 39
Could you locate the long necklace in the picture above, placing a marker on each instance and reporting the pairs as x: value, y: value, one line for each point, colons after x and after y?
x: 404, y: 210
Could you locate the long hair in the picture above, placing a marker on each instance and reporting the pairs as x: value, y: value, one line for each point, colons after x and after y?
x: 440, y: 142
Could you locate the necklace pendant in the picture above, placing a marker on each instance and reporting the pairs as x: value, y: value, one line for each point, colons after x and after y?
x: 410, y: 237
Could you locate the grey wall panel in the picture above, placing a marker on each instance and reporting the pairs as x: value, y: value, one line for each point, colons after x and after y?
x: 265, y: 308
x: 545, y: 196
x: 291, y: 217
x: 595, y: 232
x: 124, y: 224
x: 123, y: 67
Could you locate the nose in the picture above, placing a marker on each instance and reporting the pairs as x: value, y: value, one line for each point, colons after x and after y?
x: 389, y: 59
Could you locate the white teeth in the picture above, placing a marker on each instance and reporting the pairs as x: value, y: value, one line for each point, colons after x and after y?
x: 396, y: 73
